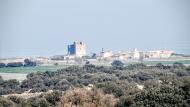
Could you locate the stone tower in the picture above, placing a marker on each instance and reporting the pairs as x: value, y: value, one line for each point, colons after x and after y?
x: 77, y: 48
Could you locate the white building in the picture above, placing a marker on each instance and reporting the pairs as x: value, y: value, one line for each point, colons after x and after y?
x: 121, y: 56
x: 158, y: 54
x: 136, y: 54
x: 166, y: 53
x: 105, y: 55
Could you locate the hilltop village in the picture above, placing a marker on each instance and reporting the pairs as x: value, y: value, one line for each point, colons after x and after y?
x: 77, y: 54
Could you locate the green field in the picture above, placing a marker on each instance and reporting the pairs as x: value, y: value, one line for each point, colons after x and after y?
x: 186, y: 62
x: 31, y: 69
x: 54, y: 68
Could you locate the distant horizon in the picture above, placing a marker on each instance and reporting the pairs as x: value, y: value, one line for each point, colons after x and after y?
x: 45, y: 27
x: 50, y: 55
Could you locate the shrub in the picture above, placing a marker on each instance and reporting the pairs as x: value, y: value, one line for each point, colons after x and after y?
x: 125, y: 102
x: 160, y: 65
x: 2, y: 65
x: 178, y: 65
x: 53, y: 97
x: 136, y: 66
x: 82, y: 97
x: 142, y: 76
x: 165, y: 95
x: 5, y: 103
x: 42, y: 102
x: 110, y: 88
x: 15, y: 64
x: 15, y: 99
x: 28, y: 62
x: 117, y: 64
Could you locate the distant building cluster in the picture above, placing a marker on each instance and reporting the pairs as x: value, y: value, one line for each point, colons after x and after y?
x: 134, y: 55
x: 78, y: 49
x: 76, y: 53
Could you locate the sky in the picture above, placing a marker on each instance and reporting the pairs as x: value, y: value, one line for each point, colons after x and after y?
x: 46, y: 27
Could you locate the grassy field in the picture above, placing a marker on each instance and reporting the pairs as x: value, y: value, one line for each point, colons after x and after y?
x: 27, y: 70
x: 31, y: 69
x: 186, y: 62
x: 20, y: 73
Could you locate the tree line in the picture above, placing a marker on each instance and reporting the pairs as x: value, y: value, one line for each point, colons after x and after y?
x: 27, y: 63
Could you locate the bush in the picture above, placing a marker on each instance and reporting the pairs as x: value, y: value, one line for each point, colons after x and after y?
x: 178, y: 65
x: 2, y: 65
x: 81, y: 97
x: 42, y: 103
x: 54, y: 97
x: 110, y: 88
x: 5, y: 103
x: 15, y: 99
x: 136, y: 66
x: 125, y: 102
x: 165, y: 95
x: 160, y: 65
x: 188, y: 68
x: 15, y: 64
x: 36, y: 102
x: 117, y: 64
x: 142, y: 76
x: 28, y: 62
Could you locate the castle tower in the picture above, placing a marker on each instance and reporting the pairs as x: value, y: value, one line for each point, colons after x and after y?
x: 77, y: 48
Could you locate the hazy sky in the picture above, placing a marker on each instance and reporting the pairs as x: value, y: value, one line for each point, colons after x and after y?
x: 46, y: 27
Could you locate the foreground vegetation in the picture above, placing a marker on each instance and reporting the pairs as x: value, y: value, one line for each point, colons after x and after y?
x: 115, y: 86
